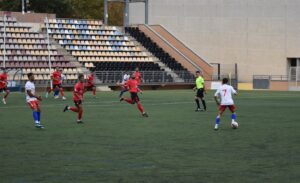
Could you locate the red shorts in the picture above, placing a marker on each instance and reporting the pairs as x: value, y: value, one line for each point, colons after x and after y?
x: 77, y: 103
x: 3, y: 89
x: 222, y: 108
x: 34, y: 105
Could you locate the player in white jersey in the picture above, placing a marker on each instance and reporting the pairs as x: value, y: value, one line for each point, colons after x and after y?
x: 225, y: 94
x: 125, y: 79
x: 33, y: 100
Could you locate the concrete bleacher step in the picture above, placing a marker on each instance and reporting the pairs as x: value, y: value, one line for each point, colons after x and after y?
x: 138, y: 44
x: 169, y: 71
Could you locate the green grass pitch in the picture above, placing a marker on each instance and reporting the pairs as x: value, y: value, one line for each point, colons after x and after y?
x: 175, y: 144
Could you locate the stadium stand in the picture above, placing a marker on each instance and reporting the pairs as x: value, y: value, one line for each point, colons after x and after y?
x: 160, y: 53
x: 102, y: 48
x: 27, y: 50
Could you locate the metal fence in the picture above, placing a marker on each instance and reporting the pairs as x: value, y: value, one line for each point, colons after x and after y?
x: 263, y: 81
x: 148, y: 77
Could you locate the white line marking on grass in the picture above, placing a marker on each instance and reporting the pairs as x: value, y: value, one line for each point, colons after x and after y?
x: 92, y: 104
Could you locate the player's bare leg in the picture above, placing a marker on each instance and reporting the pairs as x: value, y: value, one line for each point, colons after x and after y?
x: 7, y: 92
x: 61, y: 90
x: 78, y: 109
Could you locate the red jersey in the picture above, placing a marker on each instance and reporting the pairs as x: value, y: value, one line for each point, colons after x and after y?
x: 132, y: 85
x: 56, y: 77
x: 78, y: 91
x: 91, y: 79
x: 137, y: 76
x: 3, y: 80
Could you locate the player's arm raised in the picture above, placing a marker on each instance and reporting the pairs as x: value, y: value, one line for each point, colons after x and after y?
x: 33, y: 96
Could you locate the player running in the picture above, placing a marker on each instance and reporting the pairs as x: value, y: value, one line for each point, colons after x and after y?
x: 132, y: 85
x: 3, y: 85
x: 77, y: 98
x: 137, y: 76
x: 33, y: 100
x: 63, y: 77
x: 225, y: 93
x: 90, y: 84
x: 56, y: 84
x: 200, y: 87
x: 125, y: 79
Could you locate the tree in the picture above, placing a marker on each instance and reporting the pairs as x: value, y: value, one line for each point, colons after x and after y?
x: 82, y: 9
x: 10, y: 5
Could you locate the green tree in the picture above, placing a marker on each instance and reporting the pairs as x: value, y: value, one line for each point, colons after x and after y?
x: 82, y: 9
x: 10, y: 5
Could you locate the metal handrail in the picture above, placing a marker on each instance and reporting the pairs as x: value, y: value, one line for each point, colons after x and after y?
x: 184, y: 44
x: 169, y: 44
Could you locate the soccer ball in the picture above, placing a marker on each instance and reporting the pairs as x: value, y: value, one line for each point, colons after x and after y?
x: 234, y: 125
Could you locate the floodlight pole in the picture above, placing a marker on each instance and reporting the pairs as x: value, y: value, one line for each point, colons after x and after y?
x: 23, y: 6
x: 126, y: 13
x: 49, y: 49
x: 105, y: 12
x: 146, y: 11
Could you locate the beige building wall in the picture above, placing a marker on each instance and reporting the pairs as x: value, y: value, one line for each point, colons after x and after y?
x: 259, y: 35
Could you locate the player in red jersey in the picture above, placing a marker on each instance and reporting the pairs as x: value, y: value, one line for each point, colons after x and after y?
x: 132, y: 85
x: 90, y: 83
x: 78, y: 98
x: 56, y: 83
x: 137, y: 75
x: 3, y: 85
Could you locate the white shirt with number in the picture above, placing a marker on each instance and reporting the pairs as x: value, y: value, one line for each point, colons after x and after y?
x: 125, y: 78
x: 31, y: 87
x: 225, y: 92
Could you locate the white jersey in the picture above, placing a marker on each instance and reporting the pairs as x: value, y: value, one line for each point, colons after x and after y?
x: 225, y: 92
x: 63, y: 77
x: 30, y: 86
x: 125, y: 78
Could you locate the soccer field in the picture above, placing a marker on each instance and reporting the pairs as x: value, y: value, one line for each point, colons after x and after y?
x: 175, y: 144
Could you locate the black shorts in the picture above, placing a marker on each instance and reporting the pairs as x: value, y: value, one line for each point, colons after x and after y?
x: 56, y: 86
x: 200, y: 93
x: 3, y: 89
x: 77, y: 103
x: 134, y: 97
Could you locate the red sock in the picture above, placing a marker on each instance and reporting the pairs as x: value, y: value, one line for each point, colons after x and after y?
x: 140, y: 107
x: 74, y: 109
x: 80, y: 112
x: 94, y: 92
x: 128, y: 100
x: 62, y: 92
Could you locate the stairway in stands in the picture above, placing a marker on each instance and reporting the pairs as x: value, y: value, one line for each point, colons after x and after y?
x: 170, y: 51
